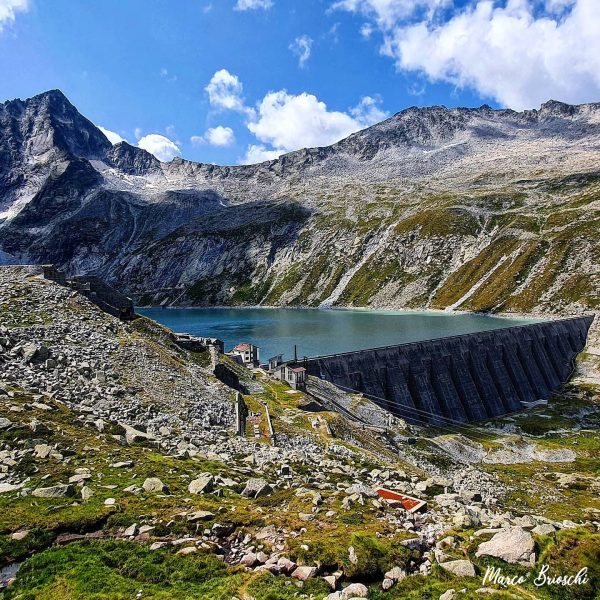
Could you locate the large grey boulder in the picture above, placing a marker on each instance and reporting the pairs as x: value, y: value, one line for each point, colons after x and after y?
x: 61, y: 490
x: 460, y: 568
x: 154, y: 485
x: 304, y: 573
x: 256, y: 487
x: 203, y: 485
x: 355, y: 590
x: 362, y: 489
x: 513, y: 545
x: 133, y: 435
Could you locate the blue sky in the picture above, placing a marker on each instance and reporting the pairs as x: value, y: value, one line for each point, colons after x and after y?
x: 231, y: 81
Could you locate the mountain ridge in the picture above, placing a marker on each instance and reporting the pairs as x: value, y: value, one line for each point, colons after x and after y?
x: 413, y: 212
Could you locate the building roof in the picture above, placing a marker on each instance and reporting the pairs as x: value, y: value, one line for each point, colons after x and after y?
x: 245, y: 346
x: 297, y: 369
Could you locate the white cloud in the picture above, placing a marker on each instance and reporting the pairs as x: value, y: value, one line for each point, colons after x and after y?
x: 225, y: 92
x: 253, y: 4
x: 366, y: 30
x: 518, y: 52
x: 9, y: 10
x: 367, y: 112
x: 302, y: 47
x: 113, y: 136
x: 162, y: 147
x: 388, y: 12
x: 215, y: 136
x: 258, y: 153
x: 285, y: 122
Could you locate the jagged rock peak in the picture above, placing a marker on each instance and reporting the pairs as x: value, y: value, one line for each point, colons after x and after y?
x: 48, y: 121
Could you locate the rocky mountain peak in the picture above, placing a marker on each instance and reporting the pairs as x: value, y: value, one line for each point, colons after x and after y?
x: 46, y: 123
x: 132, y: 160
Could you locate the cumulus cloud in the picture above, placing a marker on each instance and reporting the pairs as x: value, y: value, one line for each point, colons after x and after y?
x: 225, y: 92
x: 302, y: 47
x: 113, y: 136
x: 518, y: 52
x: 287, y: 122
x: 253, y: 4
x: 162, y: 147
x: 283, y: 122
x: 9, y: 10
x: 215, y: 136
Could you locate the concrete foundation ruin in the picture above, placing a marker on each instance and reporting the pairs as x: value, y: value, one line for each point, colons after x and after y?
x: 463, y: 378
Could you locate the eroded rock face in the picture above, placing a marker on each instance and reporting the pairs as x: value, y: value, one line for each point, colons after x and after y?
x: 513, y: 545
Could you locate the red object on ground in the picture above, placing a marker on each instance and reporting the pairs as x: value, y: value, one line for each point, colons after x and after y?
x: 408, y: 502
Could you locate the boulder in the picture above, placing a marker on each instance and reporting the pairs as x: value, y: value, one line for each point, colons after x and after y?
x: 395, y: 574
x: 448, y: 595
x: 5, y: 423
x: 154, y: 485
x: 125, y: 464
x: 249, y: 560
x: 460, y: 568
x: 543, y: 529
x: 513, y: 545
x: 133, y: 435
x: 202, y: 485
x: 86, y: 492
x: 9, y: 487
x: 256, y: 487
x: 200, y: 515
x: 361, y: 489
x: 286, y: 565
x: 355, y: 590
x: 61, y: 490
x: 304, y: 573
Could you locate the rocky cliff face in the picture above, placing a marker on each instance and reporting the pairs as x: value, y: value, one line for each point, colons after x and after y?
x: 475, y: 209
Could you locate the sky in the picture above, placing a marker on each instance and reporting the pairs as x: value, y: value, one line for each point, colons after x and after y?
x: 241, y: 81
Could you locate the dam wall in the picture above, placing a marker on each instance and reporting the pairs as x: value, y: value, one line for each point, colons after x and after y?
x: 462, y: 378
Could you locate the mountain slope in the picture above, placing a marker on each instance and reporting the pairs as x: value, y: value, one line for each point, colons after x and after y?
x: 475, y: 209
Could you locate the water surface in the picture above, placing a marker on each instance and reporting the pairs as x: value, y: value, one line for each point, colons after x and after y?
x: 318, y: 331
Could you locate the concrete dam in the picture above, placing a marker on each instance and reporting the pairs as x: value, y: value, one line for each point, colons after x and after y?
x: 462, y: 378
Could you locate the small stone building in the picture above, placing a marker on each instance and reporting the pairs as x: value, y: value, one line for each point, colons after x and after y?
x: 293, y: 374
x: 248, y: 353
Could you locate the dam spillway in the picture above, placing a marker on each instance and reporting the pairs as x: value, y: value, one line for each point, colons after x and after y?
x: 463, y: 378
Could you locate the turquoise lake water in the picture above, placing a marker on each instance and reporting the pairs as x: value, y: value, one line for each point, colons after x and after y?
x: 318, y: 331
